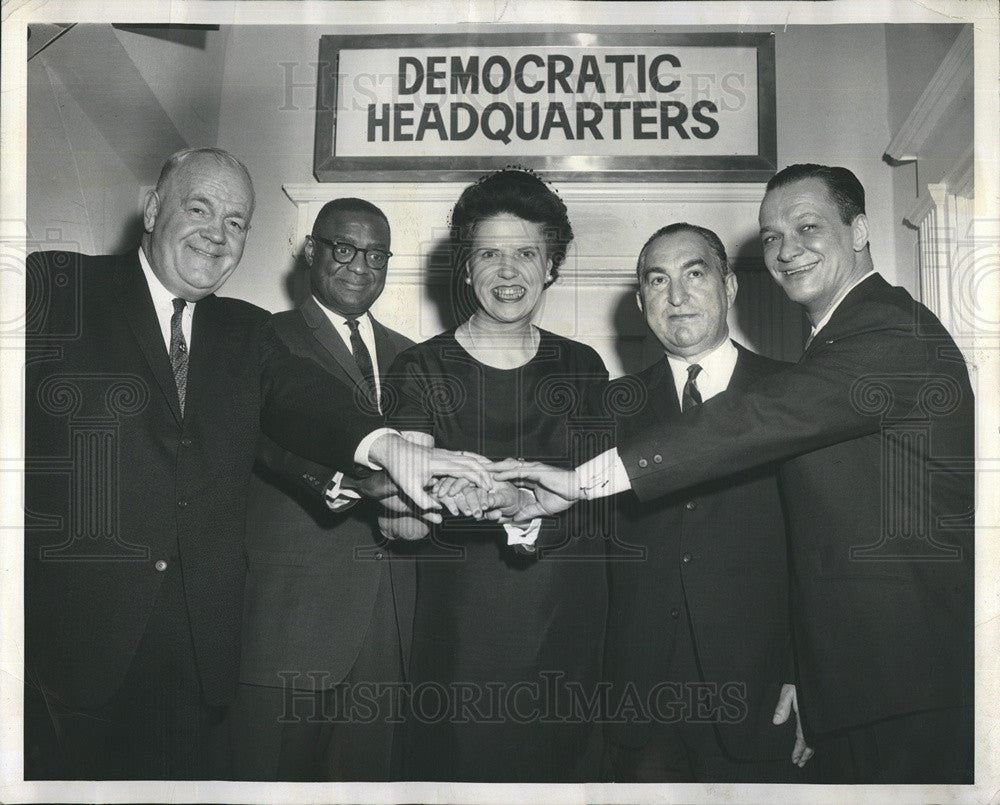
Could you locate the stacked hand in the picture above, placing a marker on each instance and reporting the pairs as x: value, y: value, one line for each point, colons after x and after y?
x: 429, y: 479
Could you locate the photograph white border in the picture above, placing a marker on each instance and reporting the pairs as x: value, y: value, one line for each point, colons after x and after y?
x: 17, y: 13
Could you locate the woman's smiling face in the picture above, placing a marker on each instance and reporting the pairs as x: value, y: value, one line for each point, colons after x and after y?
x: 508, y: 266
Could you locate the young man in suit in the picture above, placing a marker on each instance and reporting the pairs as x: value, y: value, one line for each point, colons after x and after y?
x: 328, y: 606
x: 703, y: 616
x: 145, y: 394
x: 874, y: 429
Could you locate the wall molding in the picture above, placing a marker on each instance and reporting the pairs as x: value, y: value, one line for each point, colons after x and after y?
x: 686, y: 192
x: 581, y: 271
x: 951, y: 84
x: 960, y: 179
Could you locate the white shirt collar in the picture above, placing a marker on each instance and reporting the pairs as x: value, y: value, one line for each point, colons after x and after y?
x: 163, y: 304
x: 716, y: 370
x: 826, y: 316
x: 339, y: 322
x: 365, y: 328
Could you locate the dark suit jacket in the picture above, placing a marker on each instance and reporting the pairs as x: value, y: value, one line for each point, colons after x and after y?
x: 718, y: 551
x: 118, y: 482
x: 875, y: 428
x: 314, y: 573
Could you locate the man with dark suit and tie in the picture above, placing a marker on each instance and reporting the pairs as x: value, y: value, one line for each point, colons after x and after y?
x: 145, y: 395
x: 874, y: 431
x: 705, y: 610
x: 328, y: 606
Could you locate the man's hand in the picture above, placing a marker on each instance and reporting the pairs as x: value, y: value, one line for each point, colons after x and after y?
x: 414, y: 466
x: 378, y: 485
x: 531, y: 503
x: 787, y: 702
x: 402, y: 526
x: 505, y: 501
x: 555, y: 489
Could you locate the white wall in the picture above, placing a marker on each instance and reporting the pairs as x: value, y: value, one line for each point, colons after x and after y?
x: 832, y: 101
x: 105, y: 106
x: 184, y: 72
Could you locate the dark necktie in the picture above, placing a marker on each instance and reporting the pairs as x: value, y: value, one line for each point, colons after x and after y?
x: 179, y: 351
x: 691, y: 397
x: 364, y: 360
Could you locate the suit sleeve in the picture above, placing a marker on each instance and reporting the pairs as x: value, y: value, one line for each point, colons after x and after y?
x: 307, y: 411
x: 842, y: 391
x: 313, y: 477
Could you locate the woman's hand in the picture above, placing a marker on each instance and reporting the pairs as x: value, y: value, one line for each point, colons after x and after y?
x: 460, y: 497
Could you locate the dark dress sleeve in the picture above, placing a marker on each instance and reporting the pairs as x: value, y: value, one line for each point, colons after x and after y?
x: 407, y: 392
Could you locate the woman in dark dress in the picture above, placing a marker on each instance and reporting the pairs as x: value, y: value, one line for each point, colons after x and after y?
x: 507, y: 637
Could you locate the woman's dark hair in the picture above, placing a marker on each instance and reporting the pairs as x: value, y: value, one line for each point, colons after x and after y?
x: 516, y: 192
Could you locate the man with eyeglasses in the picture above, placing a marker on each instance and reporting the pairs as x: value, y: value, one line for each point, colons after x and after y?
x: 328, y: 609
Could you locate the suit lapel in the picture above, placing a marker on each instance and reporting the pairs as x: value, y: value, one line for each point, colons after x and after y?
x: 330, y: 346
x: 742, y: 375
x: 842, y: 321
x: 663, y: 392
x: 137, y: 307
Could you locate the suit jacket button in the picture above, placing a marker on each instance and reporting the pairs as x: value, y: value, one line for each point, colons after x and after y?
x: 674, y: 613
x: 657, y: 458
x: 160, y: 565
x: 686, y: 559
x: 186, y: 441
x: 182, y: 504
x: 380, y: 555
x: 643, y: 463
x: 690, y: 505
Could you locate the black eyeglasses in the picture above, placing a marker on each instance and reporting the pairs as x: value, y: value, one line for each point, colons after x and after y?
x: 376, y: 259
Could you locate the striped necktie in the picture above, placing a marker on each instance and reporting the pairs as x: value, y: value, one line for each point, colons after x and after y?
x: 364, y: 360
x: 691, y: 397
x: 179, y: 351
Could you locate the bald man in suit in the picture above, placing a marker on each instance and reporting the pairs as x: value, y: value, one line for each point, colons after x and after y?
x: 145, y: 394
x: 705, y: 610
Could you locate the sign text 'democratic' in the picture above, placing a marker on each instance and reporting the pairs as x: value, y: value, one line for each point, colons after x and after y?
x: 553, y: 101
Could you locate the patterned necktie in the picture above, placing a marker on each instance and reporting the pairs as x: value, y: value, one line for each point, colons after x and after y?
x: 179, y: 351
x: 691, y: 397
x: 364, y: 360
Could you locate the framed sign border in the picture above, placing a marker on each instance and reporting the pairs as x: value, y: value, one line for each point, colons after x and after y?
x: 759, y: 167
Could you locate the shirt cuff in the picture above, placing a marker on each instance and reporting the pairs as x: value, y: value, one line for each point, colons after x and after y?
x: 523, y: 534
x: 603, y: 475
x: 361, y: 454
x: 337, y: 498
